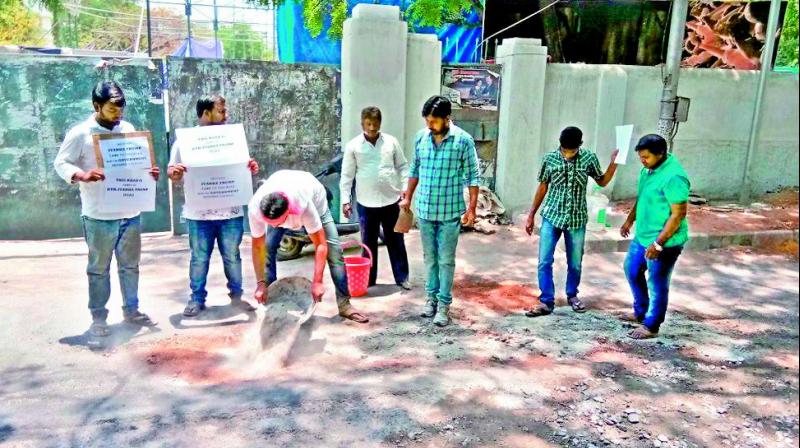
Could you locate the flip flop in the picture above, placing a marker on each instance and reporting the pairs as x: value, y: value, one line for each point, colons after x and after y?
x: 642, y: 333
x: 539, y: 310
x: 355, y: 316
x: 577, y: 305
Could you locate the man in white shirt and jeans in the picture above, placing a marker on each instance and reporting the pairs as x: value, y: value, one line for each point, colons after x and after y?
x: 223, y: 226
x: 107, y: 233
x: 376, y: 162
x: 295, y: 200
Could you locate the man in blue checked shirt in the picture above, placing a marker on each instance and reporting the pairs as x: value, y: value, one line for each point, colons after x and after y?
x: 444, y: 162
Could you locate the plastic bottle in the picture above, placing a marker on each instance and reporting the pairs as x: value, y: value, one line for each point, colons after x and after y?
x: 597, y: 204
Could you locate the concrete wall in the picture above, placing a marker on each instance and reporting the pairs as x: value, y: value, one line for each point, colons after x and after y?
x: 423, y: 80
x: 290, y: 112
x: 42, y: 97
x: 711, y: 145
x: 374, y: 49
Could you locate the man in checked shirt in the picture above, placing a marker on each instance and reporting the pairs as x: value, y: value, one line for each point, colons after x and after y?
x: 444, y: 162
x: 562, y: 182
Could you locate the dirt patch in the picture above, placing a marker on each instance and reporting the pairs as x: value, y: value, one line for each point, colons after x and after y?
x: 235, y: 357
x: 775, y: 211
x: 787, y: 198
x: 501, y: 297
x: 193, y: 359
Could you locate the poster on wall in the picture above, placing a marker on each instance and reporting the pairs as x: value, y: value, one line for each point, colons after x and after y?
x: 473, y: 87
x: 726, y: 34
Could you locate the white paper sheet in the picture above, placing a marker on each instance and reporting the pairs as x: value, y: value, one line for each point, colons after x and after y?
x: 624, y: 135
x: 213, y: 145
x: 214, y: 187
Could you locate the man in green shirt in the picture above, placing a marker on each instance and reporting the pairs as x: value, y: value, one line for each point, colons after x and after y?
x: 661, y: 233
x: 562, y: 188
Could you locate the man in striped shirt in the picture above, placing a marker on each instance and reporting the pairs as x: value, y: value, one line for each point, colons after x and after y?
x: 563, y: 178
x: 444, y: 162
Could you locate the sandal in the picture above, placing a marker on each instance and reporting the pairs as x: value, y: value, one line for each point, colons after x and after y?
x: 576, y: 305
x: 139, y: 318
x: 642, y: 333
x: 354, y: 315
x: 99, y: 330
x: 539, y: 310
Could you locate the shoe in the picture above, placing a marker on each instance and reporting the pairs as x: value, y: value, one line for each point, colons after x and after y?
x: 442, y: 318
x: 430, y: 308
x: 405, y: 285
x: 242, y: 305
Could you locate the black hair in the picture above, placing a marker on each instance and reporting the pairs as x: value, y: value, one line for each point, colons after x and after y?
x: 571, y: 138
x: 653, y: 143
x: 438, y: 106
x: 108, y: 92
x: 207, y: 102
x: 371, y: 112
x: 274, y: 205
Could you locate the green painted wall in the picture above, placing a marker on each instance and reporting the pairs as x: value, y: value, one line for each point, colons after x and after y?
x: 291, y: 112
x: 41, y: 98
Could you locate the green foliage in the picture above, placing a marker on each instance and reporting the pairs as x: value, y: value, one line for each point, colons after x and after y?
x: 240, y: 41
x: 419, y: 14
x: 787, y: 52
x: 18, y: 25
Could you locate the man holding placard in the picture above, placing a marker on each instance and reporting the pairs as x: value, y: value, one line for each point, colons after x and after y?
x: 205, y: 153
x: 562, y: 188
x: 110, y: 213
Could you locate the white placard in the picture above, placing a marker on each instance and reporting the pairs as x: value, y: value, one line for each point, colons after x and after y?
x: 624, y: 135
x: 213, y: 145
x: 214, y: 187
x: 129, y: 190
x: 125, y: 153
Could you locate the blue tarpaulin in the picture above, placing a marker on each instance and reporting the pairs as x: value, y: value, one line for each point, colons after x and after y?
x: 200, y: 49
x: 295, y: 44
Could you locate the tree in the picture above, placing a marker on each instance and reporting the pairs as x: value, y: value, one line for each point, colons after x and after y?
x: 787, y: 52
x: 18, y: 24
x: 240, y: 41
x: 419, y: 13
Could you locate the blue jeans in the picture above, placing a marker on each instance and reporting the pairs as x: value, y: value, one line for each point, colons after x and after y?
x: 371, y: 220
x: 651, y: 293
x: 335, y: 258
x: 439, y: 242
x: 574, y: 240
x: 122, y: 238
x: 227, y: 233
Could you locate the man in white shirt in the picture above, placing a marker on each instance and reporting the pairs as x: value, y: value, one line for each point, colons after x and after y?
x: 376, y: 162
x: 107, y: 234
x: 225, y: 227
x: 295, y: 200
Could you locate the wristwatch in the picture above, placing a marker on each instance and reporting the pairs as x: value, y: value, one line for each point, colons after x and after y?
x: 657, y: 246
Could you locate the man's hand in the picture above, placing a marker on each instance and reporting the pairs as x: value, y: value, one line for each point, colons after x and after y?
x: 652, y: 253
x: 614, y: 155
x: 625, y: 230
x: 261, y: 293
x: 317, y: 291
x: 405, y: 204
x: 531, y: 224
x: 347, y: 210
x: 93, y: 175
x: 253, y: 166
x: 175, y: 172
x: 468, y: 220
x: 155, y: 172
